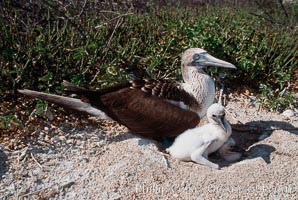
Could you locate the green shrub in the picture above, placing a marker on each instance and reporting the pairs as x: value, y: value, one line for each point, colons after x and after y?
x: 40, y: 49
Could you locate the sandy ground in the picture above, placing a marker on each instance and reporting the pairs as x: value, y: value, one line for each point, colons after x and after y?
x: 108, y: 163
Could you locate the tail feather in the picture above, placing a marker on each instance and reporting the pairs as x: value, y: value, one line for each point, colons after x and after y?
x: 73, y: 88
x: 66, y: 102
x: 69, y: 87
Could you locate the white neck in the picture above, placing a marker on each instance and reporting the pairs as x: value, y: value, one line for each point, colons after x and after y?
x: 201, y: 86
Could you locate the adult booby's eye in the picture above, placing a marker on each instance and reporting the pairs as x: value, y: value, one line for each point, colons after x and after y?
x: 196, y: 57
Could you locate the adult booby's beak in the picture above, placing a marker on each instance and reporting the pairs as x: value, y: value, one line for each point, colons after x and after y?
x: 208, y: 60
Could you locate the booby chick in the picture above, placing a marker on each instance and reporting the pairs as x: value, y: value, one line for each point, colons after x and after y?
x: 149, y: 107
x: 197, y: 143
x: 226, y: 151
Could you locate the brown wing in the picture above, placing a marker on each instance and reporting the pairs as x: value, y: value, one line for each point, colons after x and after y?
x: 166, y: 90
x: 145, y: 114
x: 142, y: 112
x: 160, y: 88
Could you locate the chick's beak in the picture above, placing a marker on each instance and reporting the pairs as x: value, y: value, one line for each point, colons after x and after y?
x: 220, y: 120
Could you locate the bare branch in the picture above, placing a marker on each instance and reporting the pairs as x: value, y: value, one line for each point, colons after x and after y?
x: 270, y: 18
x: 283, y: 8
x: 261, y: 16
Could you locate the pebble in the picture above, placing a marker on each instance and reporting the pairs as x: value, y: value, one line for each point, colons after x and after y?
x: 47, y: 138
x: 69, y: 141
x: 35, y: 172
x: 253, y: 98
x: 62, y: 139
x: 79, y: 136
x: 52, y: 151
x: 288, y: 113
x: 81, y: 144
x: 93, y: 138
x: 23, y: 154
x: 94, y: 145
x: 54, y: 140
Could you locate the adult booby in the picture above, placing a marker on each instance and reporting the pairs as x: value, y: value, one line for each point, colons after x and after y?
x: 197, y: 143
x: 149, y: 107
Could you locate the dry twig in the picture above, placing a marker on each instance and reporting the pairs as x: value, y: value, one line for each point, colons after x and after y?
x: 36, y: 160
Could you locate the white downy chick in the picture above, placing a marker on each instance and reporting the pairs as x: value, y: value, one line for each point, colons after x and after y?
x: 197, y: 143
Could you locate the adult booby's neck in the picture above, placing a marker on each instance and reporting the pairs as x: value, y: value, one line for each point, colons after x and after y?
x: 201, y: 86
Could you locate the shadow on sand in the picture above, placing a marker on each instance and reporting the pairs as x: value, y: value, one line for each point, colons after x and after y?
x: 3, y: 164
x: 252, y: 132
x: 247, y: 135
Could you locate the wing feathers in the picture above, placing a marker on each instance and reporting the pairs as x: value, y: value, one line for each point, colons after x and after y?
x: 165, y: 90
x: 148, y: 115
x: 147, y: 107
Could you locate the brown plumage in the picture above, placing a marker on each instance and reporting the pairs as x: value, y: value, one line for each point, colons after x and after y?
x: 149, y: 107
x: 128, y: 104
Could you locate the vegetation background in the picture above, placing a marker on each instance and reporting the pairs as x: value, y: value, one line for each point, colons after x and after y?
x: 90, y: 43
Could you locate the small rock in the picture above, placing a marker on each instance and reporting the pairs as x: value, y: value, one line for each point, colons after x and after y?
x: 81, y: 144
x: 93, y: 145
x: 47, y: 138
x: 62, y: 139
x: 68, y: 185
x: 93, y: 138
x: 54, y: 140
x: 24, y: 154
x: 69, y: 141
x: 288, y: 113
x: 35, y: 172
x: 52, y: 151
x: 253, y: 98
x: 127, y: 174
x: 11, y: 188
x: 79, y: 136
x: 61, y: 133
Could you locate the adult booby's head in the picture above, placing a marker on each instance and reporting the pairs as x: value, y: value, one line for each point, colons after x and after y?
x: 197, y: 82
x: 199, y: 58
x: 148, y: 107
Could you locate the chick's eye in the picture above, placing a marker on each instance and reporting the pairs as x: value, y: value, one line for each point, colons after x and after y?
x: 196, y: 57
x: 213, y: 115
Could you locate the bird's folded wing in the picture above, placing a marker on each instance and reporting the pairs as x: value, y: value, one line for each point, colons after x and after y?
x: 145, y: 110
x: 165, y: 90
x: 147, y: 115
x: 170, y: 91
